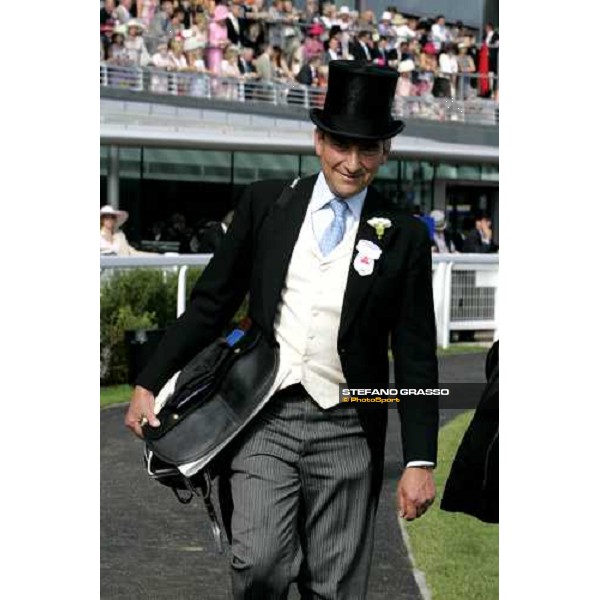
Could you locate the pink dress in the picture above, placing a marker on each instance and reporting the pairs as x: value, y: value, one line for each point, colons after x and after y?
x: 148, y: 8
x: 214, y: 53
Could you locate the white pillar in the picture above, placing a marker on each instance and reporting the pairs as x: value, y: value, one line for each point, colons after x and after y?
x: 113, y: 176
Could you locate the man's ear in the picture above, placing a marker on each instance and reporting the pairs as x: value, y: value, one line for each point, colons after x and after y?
x: 318, y: 140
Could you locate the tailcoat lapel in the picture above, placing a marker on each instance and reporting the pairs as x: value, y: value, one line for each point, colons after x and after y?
x: 357, y: 286
x: 282, y: 228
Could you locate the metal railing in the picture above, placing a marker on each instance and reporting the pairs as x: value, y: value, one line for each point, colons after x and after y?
x: 465, y: 290
x: 464, y: 287
x: 477, y: 111
x: 208, y: 85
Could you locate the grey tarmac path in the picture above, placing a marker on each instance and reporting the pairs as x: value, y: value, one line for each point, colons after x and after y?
x: 154, y: 548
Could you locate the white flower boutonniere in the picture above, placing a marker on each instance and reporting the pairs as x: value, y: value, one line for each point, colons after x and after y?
x: 380, y: 224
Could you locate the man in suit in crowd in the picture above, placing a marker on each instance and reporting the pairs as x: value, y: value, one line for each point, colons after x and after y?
x: 332, y: 290
x: 248, y: 71
x: 309, y: 73
x: 362, y: 49
x: 479, y: 239
x: 246, y: 62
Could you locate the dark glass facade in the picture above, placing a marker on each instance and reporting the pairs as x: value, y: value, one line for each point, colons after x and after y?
x: 155, y: 183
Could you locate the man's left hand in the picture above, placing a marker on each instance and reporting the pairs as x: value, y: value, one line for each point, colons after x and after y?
x: 415, y: 492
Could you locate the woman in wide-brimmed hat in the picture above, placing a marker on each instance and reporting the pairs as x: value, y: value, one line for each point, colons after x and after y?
x: 405, y: 85
x: 112, y: 241
x: 134, y: 42
x: 117, y: 53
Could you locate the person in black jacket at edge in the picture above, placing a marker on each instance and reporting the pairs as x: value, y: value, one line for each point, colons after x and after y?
x: 334, y: 273
x: 472, y: 486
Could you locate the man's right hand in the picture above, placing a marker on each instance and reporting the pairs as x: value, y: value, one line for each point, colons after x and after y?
x: 141, y: 409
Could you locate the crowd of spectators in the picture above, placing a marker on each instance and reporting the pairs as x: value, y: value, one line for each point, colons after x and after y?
x: 177, y: 234
x: 474, y: 233
x: 277, y: 42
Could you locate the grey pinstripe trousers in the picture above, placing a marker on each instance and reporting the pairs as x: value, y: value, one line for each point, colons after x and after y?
x: 303, y: 510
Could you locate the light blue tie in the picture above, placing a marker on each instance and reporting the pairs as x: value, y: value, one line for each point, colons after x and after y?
x: 335, y: 231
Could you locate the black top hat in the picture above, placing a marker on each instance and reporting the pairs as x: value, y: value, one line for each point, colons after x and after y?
x: 359, y: 101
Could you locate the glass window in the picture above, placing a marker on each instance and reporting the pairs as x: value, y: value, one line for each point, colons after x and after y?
x: 490, y: 173
x: 446, y: 171
x: 309, y: 165
x: 187, y: 165
x: 130, y: 162
x: 416, y: 186
x: 388, y: 170
x: 471, y: 172
x: 426, y: 171
x: 254, y: 166
x: 409, y: 169
x: 103, y: 160
x: 386, y: 182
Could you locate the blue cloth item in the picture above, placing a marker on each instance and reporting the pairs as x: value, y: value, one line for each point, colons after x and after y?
x: 430, y: 224
x: 335, y: 232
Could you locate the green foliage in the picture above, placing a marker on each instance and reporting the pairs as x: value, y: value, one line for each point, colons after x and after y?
x: 134, y: 299
x: 143, y: 298
x: 114, y: 394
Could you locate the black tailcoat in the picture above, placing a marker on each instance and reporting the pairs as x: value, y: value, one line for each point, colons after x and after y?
x: 392, y: 306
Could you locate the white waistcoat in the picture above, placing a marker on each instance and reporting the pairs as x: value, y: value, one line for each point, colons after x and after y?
x: 308, y: 315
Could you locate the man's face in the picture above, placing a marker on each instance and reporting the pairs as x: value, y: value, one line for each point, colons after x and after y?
x: 349, y: 165
x: 168, y: 8
x: 483, y: 224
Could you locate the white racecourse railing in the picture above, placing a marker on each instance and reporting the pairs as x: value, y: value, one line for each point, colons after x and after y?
x: 207, y: 85
x: 465, y: 287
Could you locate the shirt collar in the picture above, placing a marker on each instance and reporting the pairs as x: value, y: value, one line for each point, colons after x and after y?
x: 322, y: 195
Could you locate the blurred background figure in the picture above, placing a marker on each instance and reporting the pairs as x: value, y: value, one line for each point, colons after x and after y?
x: 473, y: 484
x: 178, y: 231
x: 231, y: 70
x: 159, y: 82
x: 217, y: 42
x: 112, y: 241
x: 442, y: 239
x: 439, y: 33
x: 209, y: 235
x: 313, y: 46
x: 492, y: 42
x: 466, y: 66
x: 160, y: 29
x: 146, y: 10
x: 479, y: 239
x: 123, y: 12
x: 405, y: 83
x: 279, y: 67
x: 135, y: 45
x: 117, y: 53
x: 444, y: 83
